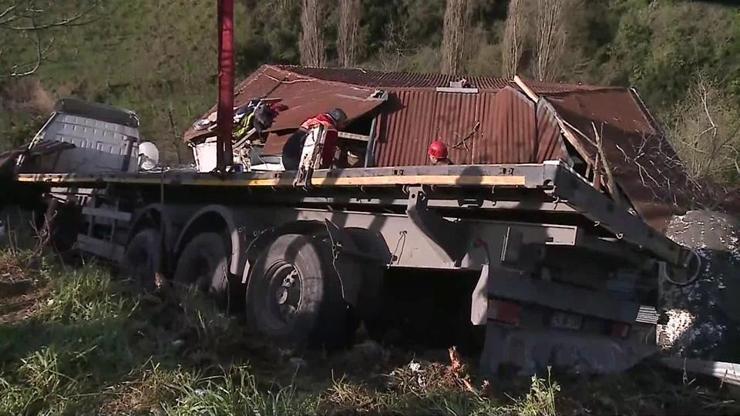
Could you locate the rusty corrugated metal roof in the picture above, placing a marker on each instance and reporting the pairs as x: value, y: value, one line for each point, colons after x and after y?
x: 379, y: 79
x: 511, y: 127
x: 392, y: 80
x: 644, y: 163
x: 508, y: 129
x: 304, y: 98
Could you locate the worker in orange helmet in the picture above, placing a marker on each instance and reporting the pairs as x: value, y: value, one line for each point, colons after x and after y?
x: 438, y: 153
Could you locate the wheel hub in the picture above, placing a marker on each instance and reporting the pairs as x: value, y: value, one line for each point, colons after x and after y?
x: 286, y: 291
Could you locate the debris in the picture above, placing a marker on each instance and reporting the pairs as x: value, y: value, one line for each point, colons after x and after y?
x: 424, y: 377
x: 679, y: 322
x: 703, y: 317
x: 297, y: 362
x: 414, y: 367
x: 460, y: 371
x: 471, y: 135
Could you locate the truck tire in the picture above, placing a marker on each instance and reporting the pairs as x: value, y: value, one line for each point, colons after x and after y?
x: 294, y: 295
x: 204, y: 264
x: 141, y: 258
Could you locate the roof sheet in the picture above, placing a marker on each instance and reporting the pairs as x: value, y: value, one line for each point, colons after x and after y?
x: 304, y: 97
x: 392, y: 80
x: 645, y: 165
x: 499, y: 127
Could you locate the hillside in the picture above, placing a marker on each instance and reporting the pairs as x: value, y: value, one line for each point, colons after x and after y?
x: 158, y: 57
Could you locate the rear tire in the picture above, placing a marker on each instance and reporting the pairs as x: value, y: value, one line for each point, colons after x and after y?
x: 294, y: 294
x: 141, y: 259
x: 204, y: 264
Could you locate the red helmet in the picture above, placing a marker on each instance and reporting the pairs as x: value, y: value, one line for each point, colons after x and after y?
x: 438, y: 149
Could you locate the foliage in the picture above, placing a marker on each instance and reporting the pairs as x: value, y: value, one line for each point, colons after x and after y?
x: 540, y: 401
x: 94, y: 345
x: 158, y: 57
x: 705, y: 129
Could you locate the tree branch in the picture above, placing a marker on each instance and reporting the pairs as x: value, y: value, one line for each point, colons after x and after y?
x: 64, y: 22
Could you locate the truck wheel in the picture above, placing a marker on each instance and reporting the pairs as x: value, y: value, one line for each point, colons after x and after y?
x: 294, y: 295
x: 141, y: 259
x: 203, y: 264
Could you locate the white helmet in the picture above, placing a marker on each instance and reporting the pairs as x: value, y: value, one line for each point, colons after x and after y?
x: 148, y: 156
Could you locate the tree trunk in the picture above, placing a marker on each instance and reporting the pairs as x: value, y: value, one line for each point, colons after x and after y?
x: 513, y: 42
x: 550, y: 38
x: 349, y: 24
x: 456, y: 20
x: 312, y: 37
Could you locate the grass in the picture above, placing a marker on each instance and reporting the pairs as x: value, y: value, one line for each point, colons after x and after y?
x: 78, y: 341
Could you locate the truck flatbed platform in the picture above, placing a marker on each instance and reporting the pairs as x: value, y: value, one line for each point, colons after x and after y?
x: 522, y: 175
x: 560, y: 183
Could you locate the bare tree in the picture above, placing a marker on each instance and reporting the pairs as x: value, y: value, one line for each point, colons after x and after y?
x: 705, y: 129
x: 513, y: 42
x: 27, y: 24
x: 284, y: 4
x: 456, y: 20
x: 312, y: 37
x: 551, y: 37
x: 350, y: 12
x: 395, y: 46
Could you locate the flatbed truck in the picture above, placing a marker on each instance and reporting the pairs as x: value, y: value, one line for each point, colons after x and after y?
x: 566, y: 277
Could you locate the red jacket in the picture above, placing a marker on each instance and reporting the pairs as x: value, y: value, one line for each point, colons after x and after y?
x: 321, y: 119
x: 330, y: 141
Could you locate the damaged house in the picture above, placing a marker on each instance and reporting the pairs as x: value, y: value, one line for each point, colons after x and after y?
x: 606, y: 134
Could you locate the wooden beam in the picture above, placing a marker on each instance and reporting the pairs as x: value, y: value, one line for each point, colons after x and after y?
x: 520, y: 83
x: 353, y: 136
x: 611, y: 182
x: 439, y: 180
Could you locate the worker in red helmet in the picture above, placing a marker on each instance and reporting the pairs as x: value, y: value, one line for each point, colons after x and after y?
x: 438, y: 154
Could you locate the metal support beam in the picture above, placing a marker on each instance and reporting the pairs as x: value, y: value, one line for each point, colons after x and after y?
x: 509, y: 284
x: 225, y: 116
x: 451, y: 237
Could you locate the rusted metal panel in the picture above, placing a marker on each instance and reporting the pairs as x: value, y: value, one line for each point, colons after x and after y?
x: 380, y: 79
x: 549, y: 144
x: 499, y: 127
x: 304, y: 98
x: 644, y: 163
x: 393, y: 79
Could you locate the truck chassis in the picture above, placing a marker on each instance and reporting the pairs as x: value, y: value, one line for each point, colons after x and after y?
x: 567, y: 277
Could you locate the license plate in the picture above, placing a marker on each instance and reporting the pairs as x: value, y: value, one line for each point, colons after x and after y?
x: 566, y: 321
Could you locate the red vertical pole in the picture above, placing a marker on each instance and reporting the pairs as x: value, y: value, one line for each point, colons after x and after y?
x: 225, y: 117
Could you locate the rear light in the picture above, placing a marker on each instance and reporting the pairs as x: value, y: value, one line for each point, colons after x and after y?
x: 564, y: 320
x: 620, y: 330
x: 506, y: 312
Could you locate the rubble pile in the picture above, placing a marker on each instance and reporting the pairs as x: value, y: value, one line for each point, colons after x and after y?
x: 704, y: 317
